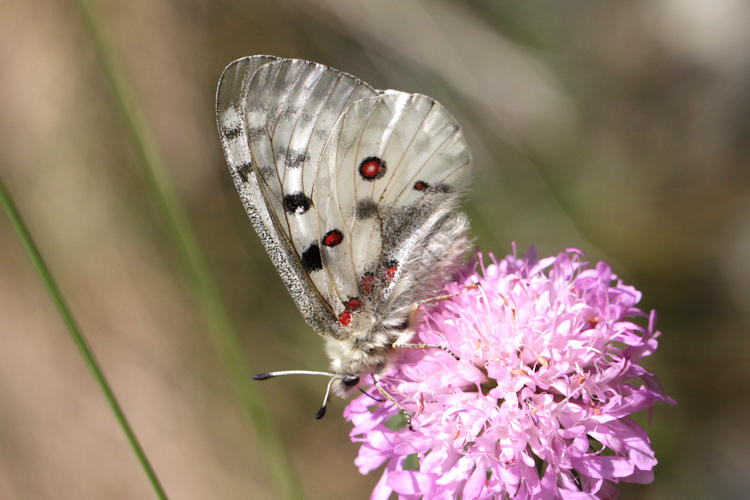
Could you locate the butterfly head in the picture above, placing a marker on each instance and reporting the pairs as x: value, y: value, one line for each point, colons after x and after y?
x: 359, y: 355
x: 349, y: 382
x: 343, y: 385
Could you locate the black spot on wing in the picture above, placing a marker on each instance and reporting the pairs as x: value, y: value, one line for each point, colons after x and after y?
x: 257, y: 133
x: 311, y: 258
x: 266, y: 171
x: 292, y: 158
x: 366, y: 208
x: 232, y: 133
x: 243, y: 170
x: 297, y: 203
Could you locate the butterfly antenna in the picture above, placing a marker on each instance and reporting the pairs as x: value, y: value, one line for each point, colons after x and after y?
x: 267, y: 375
x: 321, y: 413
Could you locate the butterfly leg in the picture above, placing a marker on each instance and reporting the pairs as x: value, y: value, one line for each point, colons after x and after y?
x: 426, y: 346
x: 415, y: 307
x: 407, y: 415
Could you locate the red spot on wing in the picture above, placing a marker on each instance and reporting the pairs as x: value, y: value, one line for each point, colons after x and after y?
x: 421, y: 186
x: 390, y: 270
x: 368, y: 281
x: 372, y: 168
x: 353, y: 304
x: 345, y: 318
x: 333, y: 238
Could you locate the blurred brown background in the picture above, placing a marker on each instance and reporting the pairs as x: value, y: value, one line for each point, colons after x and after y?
x: 620, y: 128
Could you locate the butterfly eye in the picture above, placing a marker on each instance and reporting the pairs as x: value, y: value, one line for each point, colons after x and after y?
x: 403, y: 325
x: 350, y: 380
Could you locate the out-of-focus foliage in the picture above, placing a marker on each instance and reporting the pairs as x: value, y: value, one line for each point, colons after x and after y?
x: 617, y: 127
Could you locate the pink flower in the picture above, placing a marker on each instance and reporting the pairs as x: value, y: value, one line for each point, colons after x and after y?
x: 537, y: 406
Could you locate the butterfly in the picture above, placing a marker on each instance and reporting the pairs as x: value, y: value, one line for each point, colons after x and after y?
x: 353, y: 192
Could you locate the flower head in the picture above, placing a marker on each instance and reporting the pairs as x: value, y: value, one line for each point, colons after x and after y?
x: 538, y: 403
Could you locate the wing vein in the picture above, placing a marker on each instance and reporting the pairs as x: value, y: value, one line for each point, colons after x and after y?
x: 407, y: 185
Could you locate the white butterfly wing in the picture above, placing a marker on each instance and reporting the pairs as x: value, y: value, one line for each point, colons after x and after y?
x: 275, y: 116
x: 394, y: 166
x: 348, y: 188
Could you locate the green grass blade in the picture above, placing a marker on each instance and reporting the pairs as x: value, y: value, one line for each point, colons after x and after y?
x: 75, y: 332
x: 223, y: 334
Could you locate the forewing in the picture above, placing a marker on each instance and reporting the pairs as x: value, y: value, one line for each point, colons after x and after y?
x: 275, y: 116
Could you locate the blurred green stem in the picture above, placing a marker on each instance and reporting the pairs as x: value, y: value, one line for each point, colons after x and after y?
x: 164, y: 192
x: 75, y: 332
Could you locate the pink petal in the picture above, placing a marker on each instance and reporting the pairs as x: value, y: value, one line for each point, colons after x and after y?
x: 368, y: 459
x: 640, y: 477
x: 474, y: 486
x: 410, y: 482
x: 575, y: 495
x: 604, y: 467
x: 381, y: 490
